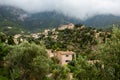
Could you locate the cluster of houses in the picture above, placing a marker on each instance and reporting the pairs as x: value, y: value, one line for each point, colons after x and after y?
x: 45, y: 33
x: 63, y: 56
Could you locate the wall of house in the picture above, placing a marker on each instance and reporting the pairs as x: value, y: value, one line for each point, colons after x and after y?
x: 64, y: 58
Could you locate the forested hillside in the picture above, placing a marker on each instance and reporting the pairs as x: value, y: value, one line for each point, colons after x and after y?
x: 97, y: 55
x: 59, y: 40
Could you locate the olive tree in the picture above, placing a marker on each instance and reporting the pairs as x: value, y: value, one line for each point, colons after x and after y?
x: 28, y: 61
x: 110, y: 56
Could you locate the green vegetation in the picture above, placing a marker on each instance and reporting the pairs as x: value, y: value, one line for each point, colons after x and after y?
x: 110, y: 56
x: 11, y: 27
x: 79, y: 39
x: 97, y: 57
x: 97, y: 51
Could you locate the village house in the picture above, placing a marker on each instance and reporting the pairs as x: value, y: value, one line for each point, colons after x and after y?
x: 68, y: 26
x: 16, y: 38
x: 65, y: 56
x: 35, y: 35
x: 46, y: 32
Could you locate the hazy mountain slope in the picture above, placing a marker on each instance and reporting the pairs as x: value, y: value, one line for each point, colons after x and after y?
x: 36, y: 20
x: 44, y: 20
x: 11, y: 19
x: 12, y: 13
x: 48, y: 20
x: 102, y: 21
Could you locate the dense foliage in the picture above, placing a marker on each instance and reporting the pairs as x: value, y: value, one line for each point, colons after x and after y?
x: 10, y: 27
x: 29, y: 60
x: 80, y: 40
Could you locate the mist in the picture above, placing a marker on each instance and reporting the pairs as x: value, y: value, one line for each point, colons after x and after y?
x: 81, y: 9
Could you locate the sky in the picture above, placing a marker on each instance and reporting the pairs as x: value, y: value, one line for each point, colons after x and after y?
x: 82, y: 9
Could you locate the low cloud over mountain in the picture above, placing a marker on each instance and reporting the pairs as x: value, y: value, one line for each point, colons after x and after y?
x: 81, y: 9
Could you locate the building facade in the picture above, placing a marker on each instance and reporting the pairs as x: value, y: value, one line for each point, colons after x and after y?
x: 65, y: 56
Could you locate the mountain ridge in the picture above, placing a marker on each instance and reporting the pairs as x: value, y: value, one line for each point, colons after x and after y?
x: 34, y: 21
x: 102, y: 21
x: 43, y: 20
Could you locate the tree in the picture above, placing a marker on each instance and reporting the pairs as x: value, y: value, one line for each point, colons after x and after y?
x: 10, y: 40
x: 28, y: 61
x: 4, y: 72
x: 60, y: 73
x: 2, y: 37
x: 82, y: 70
x: 3, y: 50
x: 110, y: 56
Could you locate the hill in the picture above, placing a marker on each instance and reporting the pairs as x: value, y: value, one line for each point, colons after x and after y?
x: 99, y: 21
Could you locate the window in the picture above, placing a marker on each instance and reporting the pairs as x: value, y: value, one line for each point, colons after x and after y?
x: 67, y: 60
x: 67, y: 55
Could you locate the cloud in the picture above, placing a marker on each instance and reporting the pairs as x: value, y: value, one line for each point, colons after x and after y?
x: 81, y: 9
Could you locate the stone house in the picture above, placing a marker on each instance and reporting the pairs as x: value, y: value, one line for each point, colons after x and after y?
x: 16, y: 38
x: 65, y: 56
x: 68, y: 26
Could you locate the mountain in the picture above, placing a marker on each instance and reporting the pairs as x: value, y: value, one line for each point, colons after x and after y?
x: 11, y: 19
x: 12, y: 13
x: 99, y: 21
x: 16, y: 17
x: 54, y: 19
x: 48, y: 20
x: 34, y: 21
